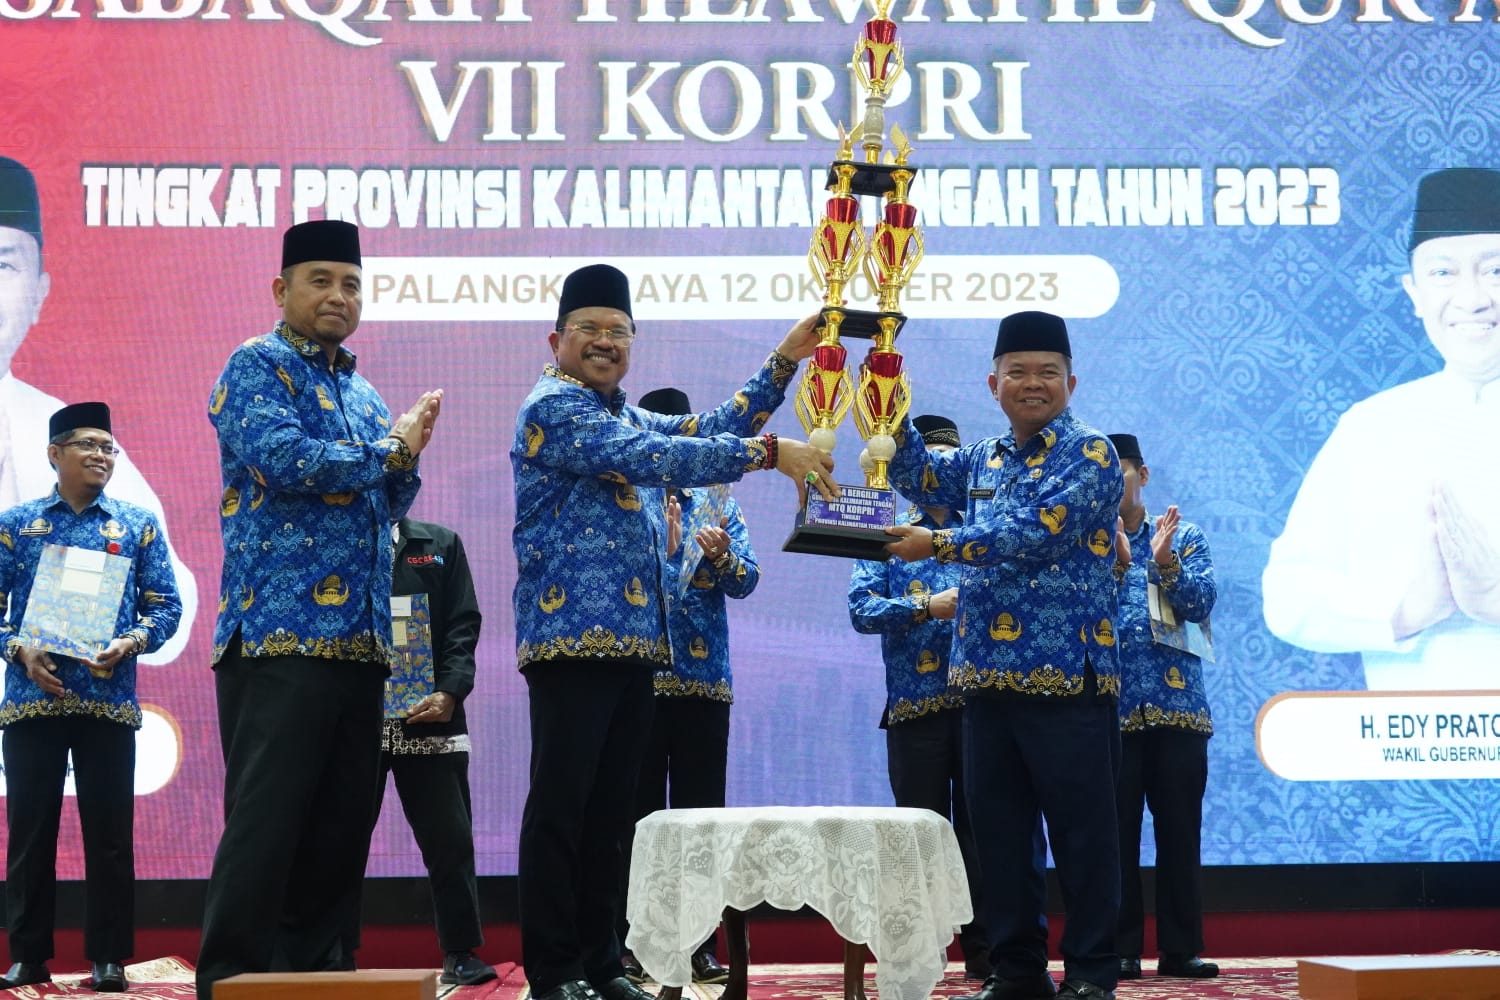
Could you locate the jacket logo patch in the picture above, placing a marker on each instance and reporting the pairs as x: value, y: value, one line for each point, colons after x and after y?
x: 432, y: 559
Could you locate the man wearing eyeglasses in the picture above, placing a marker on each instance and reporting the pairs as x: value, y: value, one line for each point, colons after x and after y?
x: 24, y: 472
x: 590, y: 623
x: 55, y: 704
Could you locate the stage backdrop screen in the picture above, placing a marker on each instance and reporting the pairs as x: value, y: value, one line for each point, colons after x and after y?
x: 1218, y: 196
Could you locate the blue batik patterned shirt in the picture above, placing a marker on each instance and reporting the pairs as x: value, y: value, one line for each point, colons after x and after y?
x: 885, y: 599
x: 590, y: 550
x: 150, y: 610
x: 312, y: 481
x: 1161, y: 686
x: 1036, y: 599
x: 698, y: 623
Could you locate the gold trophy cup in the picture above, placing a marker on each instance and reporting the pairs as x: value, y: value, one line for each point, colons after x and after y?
x: 854, y: 525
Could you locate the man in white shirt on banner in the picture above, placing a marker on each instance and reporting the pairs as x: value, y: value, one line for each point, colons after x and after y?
x: 24, y: 409
x: 1392, y: 547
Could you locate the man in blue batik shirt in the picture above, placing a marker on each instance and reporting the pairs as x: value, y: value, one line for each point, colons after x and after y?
x: 55, y: 705
x: 688, y: 747
x: 1165, y: 724
x: 590, y: 552
x: 911, y: 607
x: 1034, y: 654
x: 314, y: 472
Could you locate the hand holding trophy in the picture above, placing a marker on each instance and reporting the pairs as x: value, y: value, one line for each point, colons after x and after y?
x: 854, y: 524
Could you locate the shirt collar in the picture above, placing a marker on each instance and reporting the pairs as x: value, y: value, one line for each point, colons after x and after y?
x: 615, y: 401
x: 102, y: 501
x: 413, y: 529
x: 343, y: 357
x: 1049, y: 435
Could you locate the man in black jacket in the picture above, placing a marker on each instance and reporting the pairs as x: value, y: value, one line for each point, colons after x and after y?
x: 425, y: 743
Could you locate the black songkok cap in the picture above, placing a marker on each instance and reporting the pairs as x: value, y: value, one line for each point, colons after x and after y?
x: 668, y: 402
x: 936, y: 430
x: 1032, y: 331
x: 71, y: 418
x: 1456, y: 202
x: 595, y: 285
x: 320, y: 239
x: 1126, y: 446
x: 20, y: 208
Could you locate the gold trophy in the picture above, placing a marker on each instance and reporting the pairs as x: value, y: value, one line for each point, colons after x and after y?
x: 854, y: 525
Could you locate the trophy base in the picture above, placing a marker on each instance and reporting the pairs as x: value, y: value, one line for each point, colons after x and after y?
x: 862, y: 324
x: 869, y: 178
x: 852, y: 526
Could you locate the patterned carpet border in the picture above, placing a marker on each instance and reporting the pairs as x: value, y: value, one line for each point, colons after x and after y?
x: 171, y: 978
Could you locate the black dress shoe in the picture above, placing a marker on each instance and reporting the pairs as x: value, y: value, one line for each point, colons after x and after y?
x: 1190, y: 967
x: 106, y: 977
x: 465, y: 968
x: 1077, y: 989
x: 707, y: 970
x: 633, y: 970
x: 1038, y: 987
x: 26, y: 974
x: 1130, y: 967
x: 573, y: 989
x: 621, y: 988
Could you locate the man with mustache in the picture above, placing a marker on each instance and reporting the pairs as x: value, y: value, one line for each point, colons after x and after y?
x: 590, y: 623
x: 314, y: 471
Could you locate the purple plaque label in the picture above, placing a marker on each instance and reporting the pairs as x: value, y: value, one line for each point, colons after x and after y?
x: 859, y: 507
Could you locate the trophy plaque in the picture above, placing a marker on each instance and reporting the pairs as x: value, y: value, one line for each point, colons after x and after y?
x: 854, y: 525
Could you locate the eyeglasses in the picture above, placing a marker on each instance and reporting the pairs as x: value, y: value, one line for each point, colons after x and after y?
x: 590, y: 331
x: 88, y: 447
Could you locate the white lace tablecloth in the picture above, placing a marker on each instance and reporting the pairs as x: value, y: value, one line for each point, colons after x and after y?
x: 892, y: 879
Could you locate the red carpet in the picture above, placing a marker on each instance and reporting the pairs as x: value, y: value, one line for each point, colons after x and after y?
x: 172, y: 979
x: 1263, y: 979
x: 1242, y: 979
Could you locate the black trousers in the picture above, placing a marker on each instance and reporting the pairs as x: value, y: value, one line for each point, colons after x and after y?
x: 925, y: 759
x: 589, y: 721
x: 1058, y: 758
x: 301, y: 741
x: 1167, y: 770
x: 36, y: 752
x: 434, y: 794
x: 686, y: 767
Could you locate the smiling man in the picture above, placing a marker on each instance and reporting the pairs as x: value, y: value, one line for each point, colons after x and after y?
x: 1034, y: 655
x: 56, y: 705
x: 591, y: 537
x: 1392, y: 547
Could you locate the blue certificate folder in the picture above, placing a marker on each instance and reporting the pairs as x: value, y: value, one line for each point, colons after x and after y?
x: 412, y: 675
x: 708, y: 511
x: 75, y: 601
x: 1169, y: 630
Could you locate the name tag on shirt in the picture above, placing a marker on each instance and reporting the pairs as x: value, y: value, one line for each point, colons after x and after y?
x: 984, y: 494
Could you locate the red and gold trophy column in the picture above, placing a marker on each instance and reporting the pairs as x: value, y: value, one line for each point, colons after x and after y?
x: 854, y: 525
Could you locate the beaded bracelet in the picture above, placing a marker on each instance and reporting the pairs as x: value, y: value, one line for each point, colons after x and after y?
x: 770, y: 443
